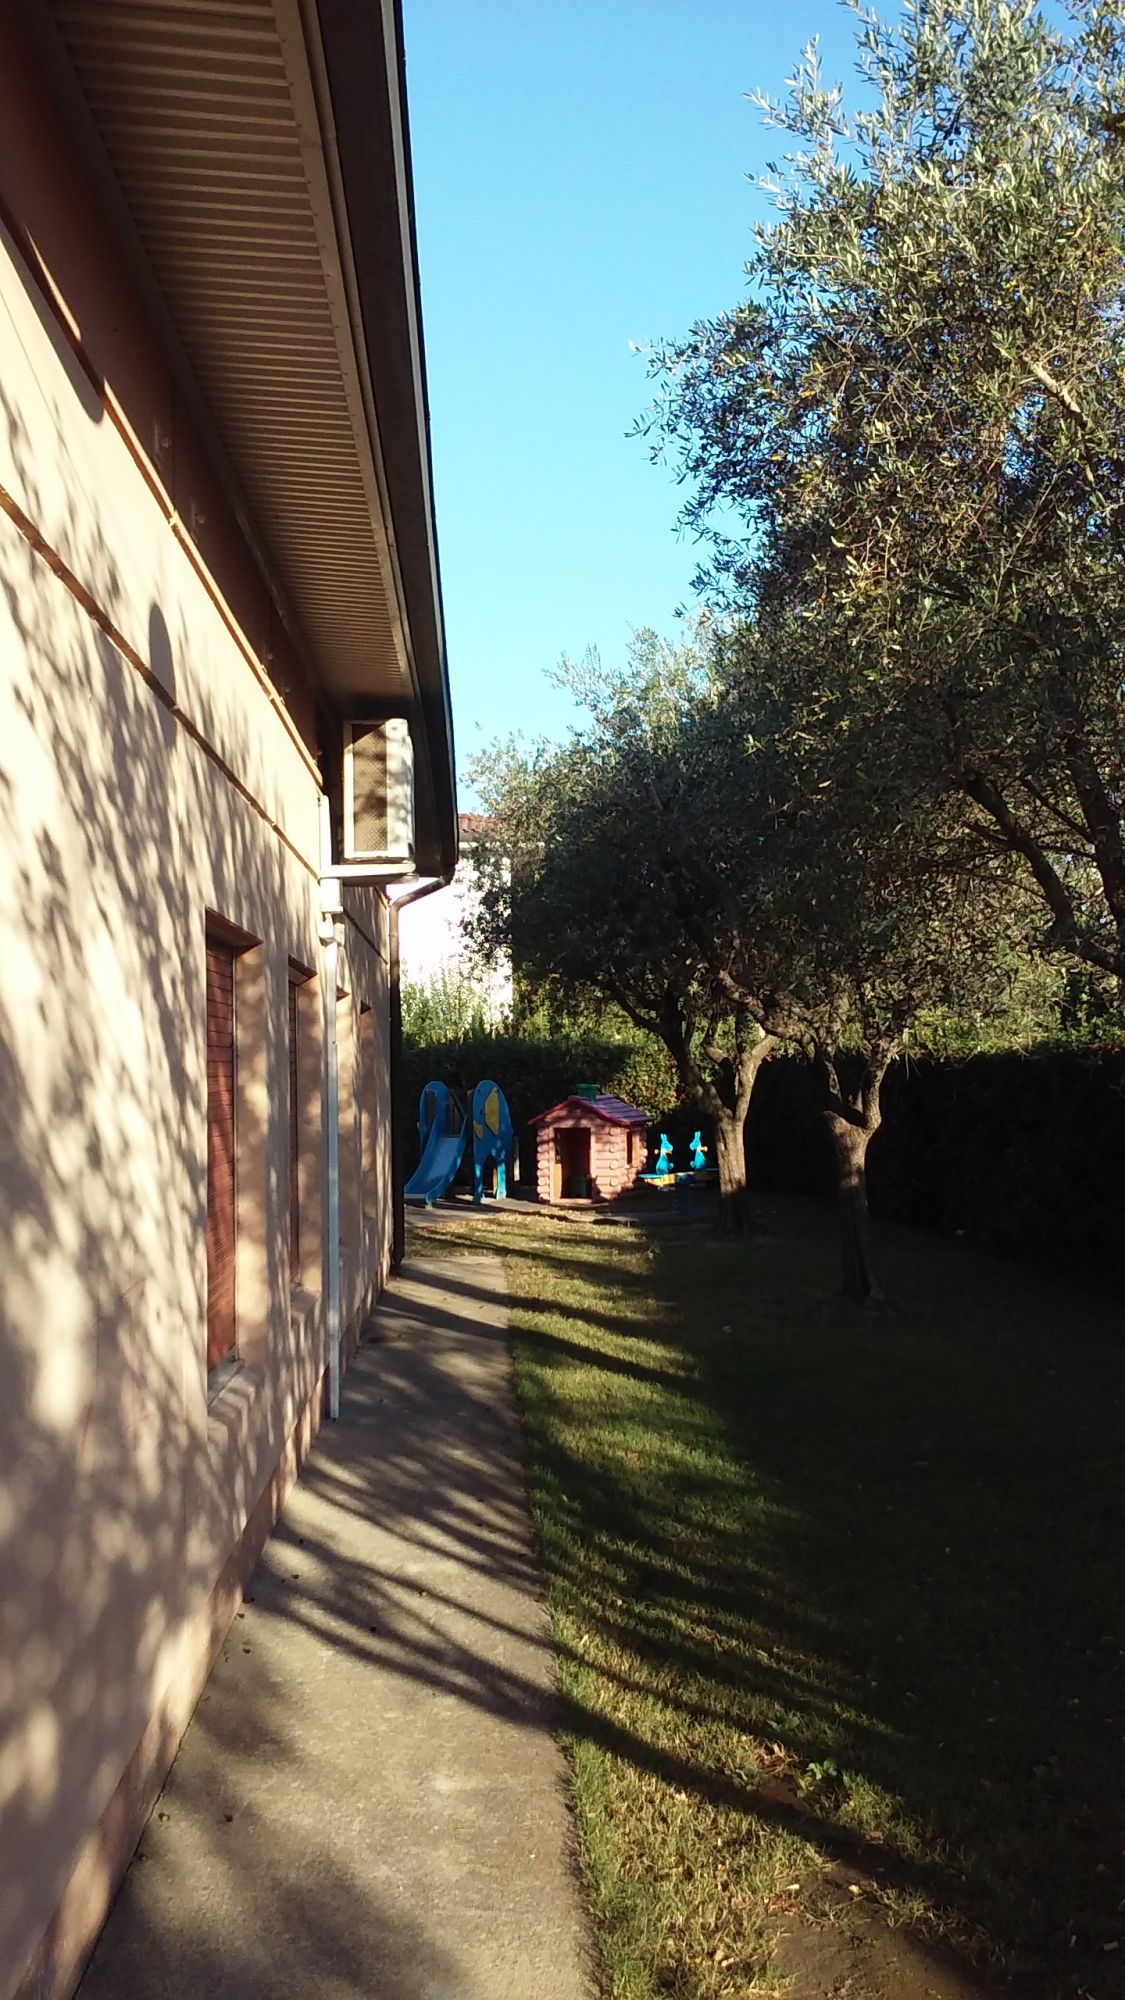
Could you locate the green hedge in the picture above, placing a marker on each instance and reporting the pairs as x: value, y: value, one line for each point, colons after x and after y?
x: 535, y: 1073
x: 1022, y: 1153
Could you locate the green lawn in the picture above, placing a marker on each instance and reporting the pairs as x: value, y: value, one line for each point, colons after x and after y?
x: 837, y: 1600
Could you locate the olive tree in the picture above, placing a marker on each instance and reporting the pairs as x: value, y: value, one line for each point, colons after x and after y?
x: 581, y: 895
x: 837, y: 910
x: 910, y: 433
x: 687, y: 857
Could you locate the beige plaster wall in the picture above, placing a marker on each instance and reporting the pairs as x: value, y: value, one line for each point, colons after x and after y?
x: 146, y: 778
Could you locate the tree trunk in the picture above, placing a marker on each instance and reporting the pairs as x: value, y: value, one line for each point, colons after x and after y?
x: 725, y: 1099
x: 849, y: 1146
x: 730, y: 1158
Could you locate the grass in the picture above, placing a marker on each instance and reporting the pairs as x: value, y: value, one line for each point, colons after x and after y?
x: 837, y: 1600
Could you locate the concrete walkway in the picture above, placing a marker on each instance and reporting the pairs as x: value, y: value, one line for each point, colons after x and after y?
x: 369, y: 1799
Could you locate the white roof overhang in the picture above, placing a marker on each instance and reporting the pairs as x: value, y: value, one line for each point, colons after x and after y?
x: 256, y: 159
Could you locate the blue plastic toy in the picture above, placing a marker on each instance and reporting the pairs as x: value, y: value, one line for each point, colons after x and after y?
x: 443, y: 1134
x: 493, y: 1137
x: 442, y: 1131
x: 664, y: 1175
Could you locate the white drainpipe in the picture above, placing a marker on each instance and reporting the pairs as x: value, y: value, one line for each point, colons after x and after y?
x: 331, y: 932
x: 331, y: 926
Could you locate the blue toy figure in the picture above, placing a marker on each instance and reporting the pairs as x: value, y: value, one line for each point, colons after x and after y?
x: 698, y: 1153
x: 493, y: 1137
x: 664, y: 1156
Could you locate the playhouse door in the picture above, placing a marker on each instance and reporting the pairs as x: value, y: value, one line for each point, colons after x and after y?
x: 572, y: 1159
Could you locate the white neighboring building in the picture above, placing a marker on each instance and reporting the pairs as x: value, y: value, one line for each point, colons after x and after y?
x: 432, y: 943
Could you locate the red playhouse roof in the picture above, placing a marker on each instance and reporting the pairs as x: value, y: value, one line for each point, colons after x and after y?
x: 613, y: 1109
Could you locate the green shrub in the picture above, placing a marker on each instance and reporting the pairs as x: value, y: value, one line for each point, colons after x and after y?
x: 1017, y: 1152
x: 534, y: 1072
x: 445, y: 1007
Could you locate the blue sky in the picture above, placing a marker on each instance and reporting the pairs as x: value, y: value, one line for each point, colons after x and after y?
x: 581, y: 182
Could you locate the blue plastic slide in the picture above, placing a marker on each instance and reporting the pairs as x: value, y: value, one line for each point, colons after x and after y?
x: 443, y: 1131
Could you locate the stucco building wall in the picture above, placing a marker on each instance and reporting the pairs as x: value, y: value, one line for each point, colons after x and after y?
x: 149, y: 776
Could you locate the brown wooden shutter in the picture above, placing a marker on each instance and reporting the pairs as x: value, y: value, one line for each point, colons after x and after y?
x: 294, y: 1141
x: 220, y: 1152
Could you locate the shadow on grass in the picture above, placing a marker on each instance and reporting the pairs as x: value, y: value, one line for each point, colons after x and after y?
x: 891, y: 1546
x: 775, y: 1537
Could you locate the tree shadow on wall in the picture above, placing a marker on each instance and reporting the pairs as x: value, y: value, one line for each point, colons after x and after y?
x: 118, y: 835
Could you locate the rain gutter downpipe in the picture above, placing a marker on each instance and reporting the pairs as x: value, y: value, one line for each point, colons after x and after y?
x: 330, y: 933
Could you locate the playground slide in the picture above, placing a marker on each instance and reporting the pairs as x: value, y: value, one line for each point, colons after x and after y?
x: 443, y: 1131
x: 438, y: 1164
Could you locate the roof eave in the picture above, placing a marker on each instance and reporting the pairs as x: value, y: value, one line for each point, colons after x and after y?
x: 587, y: 1105
x: 345, y: 73
x: 355, y: 49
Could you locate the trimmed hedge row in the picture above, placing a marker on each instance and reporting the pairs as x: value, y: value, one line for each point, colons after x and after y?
x: 534, y: 1074
x: 1020, y: 1153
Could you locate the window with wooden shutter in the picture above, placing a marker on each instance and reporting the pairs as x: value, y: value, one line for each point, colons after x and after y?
x: 220, y: 1153
x: 294, y: 1139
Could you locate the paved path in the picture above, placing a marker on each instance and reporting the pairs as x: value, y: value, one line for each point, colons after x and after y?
x: 369, y: 1800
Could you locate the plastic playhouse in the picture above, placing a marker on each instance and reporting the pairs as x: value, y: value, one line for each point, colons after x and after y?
x: 590, y: 1147
x: 444, y: 1132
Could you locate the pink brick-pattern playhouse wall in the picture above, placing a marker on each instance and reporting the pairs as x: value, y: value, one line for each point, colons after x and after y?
x: 610, y: 1172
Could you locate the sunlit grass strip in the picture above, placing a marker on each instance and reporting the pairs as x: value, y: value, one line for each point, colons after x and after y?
x: 837, y: 1604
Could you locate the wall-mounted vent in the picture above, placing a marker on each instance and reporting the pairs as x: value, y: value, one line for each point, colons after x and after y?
x: 378, y: 791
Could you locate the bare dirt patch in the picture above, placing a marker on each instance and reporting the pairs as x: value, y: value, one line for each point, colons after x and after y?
x: 849, y: 1952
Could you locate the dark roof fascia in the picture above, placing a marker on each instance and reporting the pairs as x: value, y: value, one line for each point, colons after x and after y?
x: 364, y: 67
